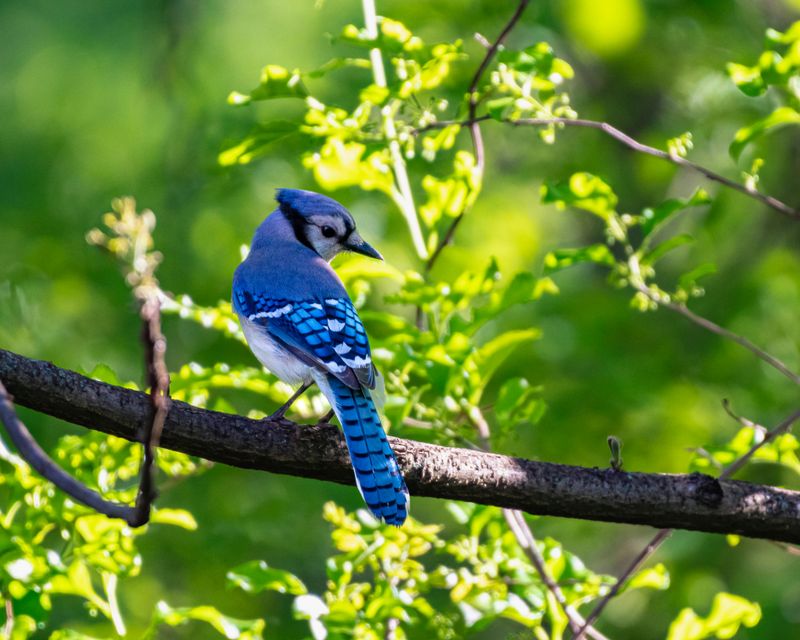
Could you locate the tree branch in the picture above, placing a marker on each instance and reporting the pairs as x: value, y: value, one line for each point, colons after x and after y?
x: 631, y: 143
x: 693, y: 501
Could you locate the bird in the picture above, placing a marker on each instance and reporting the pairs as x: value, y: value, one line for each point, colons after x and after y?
x: 301, y: 324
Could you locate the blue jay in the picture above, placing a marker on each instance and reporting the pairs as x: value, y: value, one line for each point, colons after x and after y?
x: 300, y: 323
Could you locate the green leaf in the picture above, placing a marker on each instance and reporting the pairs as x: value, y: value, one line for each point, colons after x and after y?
x: 563, y: 258
x: 353, y: 267
x: 345, y: 164
x: 338, y: 63
x: 176, y: 517
x: 538, y: 58
x: 257, y: 576
x: 688, y: 280
x: 78, y: 582
x: 652, y: 219
x: 257, y: 142
x: 748, y: 79
x: 583, y: 191
x: 659, y: 251
x: 498, y: 107
x: 276, y: 82
x: 782, y: 450
x: 656, y: 577
x: 778, y: 118
x: 518, y: 402
x: 524, y: 288
x: 25, y: 626
x: 454, y: 194
x: 728, y: 613
x: 225, y: 625
x: 104, y: 373
x: 489, y: 356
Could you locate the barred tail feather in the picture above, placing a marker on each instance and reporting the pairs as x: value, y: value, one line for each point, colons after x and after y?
x: 377, y: 475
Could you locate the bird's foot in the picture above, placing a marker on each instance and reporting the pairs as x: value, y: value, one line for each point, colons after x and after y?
x: 280, y: 414
x: 326, y: 419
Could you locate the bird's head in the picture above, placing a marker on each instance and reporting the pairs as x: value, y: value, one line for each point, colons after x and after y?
x: 322, y: 224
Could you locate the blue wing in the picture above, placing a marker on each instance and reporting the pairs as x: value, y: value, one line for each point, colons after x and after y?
x: 326, y: 334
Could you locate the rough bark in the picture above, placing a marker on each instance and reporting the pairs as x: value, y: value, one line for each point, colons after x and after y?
x: 681, y: 501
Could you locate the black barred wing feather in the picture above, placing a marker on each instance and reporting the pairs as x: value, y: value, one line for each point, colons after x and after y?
x: 327, y: 333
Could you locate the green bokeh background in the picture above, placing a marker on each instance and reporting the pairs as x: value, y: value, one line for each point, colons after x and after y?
x: 99, y: 99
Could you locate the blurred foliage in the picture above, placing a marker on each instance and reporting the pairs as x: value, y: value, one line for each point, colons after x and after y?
x: 478, y: 345
x: 778, y: 67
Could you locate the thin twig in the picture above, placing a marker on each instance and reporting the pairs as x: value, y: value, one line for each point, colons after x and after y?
x: 773, y: 433
x: 638, y: 283
x: 474, y: 126
x: 745, y: 422
x: 525, y: 538
x: 735, y: 337
x: 631, y: 143
x: 8, y: 627
x: 158, y: 380
x: 632, y: 568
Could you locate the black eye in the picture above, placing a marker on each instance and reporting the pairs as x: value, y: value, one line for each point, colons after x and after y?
x: 328, y: 232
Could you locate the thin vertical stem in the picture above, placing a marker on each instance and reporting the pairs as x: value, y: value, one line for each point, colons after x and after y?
x: 401, y: 193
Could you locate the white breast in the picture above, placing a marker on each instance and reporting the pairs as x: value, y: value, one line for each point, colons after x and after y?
x: 273, y: 356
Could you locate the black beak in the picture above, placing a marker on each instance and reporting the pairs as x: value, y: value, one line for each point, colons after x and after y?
x: 356, y: 244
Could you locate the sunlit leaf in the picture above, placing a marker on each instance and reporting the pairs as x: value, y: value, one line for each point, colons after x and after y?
x: 583, y: 191
x: 276, y: 82
x: 656, y: 577
x: 781, y: 117
x: 563, y: 258
x: 343, y: 164
x: 176, y: 517
x: 728, y: 613
x: 258, y: 142
x: 226, y: 626
x: 257, y: 576
x: 338, y: 63
x: 782, y: 450
x: 491, y: 355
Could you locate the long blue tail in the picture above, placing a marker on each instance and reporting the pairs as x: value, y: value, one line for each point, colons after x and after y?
x: 377, y: 475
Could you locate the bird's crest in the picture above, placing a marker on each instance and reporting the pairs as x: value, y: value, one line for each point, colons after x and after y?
x: 308, y: 203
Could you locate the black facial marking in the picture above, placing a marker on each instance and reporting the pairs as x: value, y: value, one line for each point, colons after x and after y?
x: 349, y: 227
x: 298, y: 223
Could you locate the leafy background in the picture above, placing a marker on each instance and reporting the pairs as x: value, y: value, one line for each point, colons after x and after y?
x: 103, y: 99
